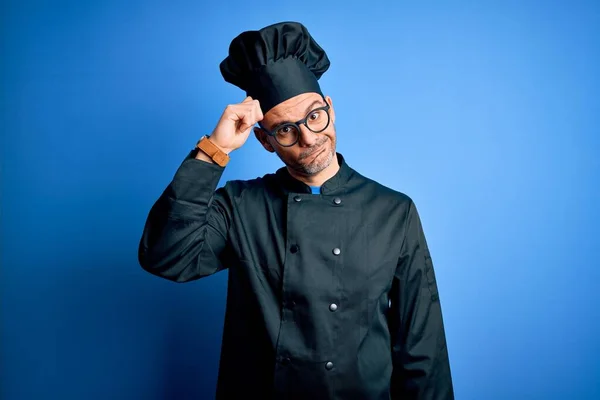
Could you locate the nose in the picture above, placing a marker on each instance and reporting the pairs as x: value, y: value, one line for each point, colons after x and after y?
x: 307, y: 138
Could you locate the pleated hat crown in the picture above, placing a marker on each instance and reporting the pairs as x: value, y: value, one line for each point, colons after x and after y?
x: 275, y: 63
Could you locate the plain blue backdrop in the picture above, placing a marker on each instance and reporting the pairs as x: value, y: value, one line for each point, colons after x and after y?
x: 485, y: 113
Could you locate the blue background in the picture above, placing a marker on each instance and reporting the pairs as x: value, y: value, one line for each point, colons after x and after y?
x: 485, y: 113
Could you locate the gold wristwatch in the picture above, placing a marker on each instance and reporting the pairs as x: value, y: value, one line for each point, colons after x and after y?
x: 213, y: 151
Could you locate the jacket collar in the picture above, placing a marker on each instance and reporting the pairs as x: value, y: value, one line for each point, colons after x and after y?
x: 332, y: 185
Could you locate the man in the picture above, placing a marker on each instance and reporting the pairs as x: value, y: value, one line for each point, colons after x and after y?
x: 331, y: 291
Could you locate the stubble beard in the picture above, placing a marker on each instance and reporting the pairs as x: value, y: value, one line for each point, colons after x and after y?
x: 317, y: 165
x: 314, y: 166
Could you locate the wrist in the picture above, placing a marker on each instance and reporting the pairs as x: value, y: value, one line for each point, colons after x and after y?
x: 207, y: 149
x: 224, y: 149
x: 200, y: 155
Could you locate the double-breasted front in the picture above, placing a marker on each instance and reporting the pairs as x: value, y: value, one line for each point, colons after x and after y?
x: 330, y: 295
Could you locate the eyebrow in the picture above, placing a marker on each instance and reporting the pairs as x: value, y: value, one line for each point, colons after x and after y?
x: 311, y: 105
x: 307, y: 110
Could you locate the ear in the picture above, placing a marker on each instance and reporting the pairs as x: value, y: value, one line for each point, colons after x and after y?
x: 331, y: 109
x: 263, y: 138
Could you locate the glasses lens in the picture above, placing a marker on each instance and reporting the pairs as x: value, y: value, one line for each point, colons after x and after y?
x: 317, y: 120
x: 287, y: 135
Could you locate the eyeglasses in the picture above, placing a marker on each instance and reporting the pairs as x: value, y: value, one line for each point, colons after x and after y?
x: 288, y: 133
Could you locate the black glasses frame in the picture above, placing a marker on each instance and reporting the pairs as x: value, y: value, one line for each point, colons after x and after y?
x: 303, y: 121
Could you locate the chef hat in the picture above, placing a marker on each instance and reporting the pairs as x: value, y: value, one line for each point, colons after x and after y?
x: 275, y: 63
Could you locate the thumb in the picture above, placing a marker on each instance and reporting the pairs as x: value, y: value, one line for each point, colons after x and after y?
x: 244, y: 124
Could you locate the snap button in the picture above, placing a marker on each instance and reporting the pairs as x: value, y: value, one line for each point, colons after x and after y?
x: 332, y: 307
x: 337, y: 200
x: 336, y: 251
x: 329, y: 365
x: 297, y: 198
x: 294, y: 248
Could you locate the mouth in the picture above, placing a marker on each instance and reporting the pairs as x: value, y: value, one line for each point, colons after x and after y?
x: 315, y: 153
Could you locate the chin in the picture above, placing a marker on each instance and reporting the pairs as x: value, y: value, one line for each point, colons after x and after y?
x: 315, y: 166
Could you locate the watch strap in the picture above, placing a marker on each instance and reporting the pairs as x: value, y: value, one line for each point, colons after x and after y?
x: 213, y: 151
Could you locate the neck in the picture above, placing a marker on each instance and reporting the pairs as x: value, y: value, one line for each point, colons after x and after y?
x: 319, y: 178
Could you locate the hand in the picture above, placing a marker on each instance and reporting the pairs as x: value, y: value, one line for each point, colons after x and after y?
x: 235, y: 124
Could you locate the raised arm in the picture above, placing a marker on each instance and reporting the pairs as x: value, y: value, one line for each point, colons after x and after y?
x: 187, y: 227
x: 186, y: 232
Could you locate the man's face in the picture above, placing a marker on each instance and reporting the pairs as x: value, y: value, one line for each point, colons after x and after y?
x: 313, y: 152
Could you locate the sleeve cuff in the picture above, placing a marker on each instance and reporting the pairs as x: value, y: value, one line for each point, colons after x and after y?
x: 195, y: 179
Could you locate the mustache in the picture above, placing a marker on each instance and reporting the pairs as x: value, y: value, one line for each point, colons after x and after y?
x: 313, y: 150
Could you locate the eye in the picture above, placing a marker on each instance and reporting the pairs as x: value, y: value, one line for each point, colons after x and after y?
x: 315, y: 115
x: 285, y: 130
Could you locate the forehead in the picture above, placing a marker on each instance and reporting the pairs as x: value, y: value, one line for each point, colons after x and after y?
x: 294, y: 108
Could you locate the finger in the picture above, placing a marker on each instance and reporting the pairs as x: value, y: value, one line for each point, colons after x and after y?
x: 250, y: 112
x: 251, y: 107
x: 258, y: 111
x: 236, y: 112
x: 246, y: 123
x: 248, y: 99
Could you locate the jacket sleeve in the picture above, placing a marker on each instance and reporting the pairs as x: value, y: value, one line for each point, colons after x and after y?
x: 186, y: 230
x: 421, y: 367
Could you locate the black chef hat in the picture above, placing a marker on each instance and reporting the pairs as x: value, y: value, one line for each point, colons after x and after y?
x: 275, y: 63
